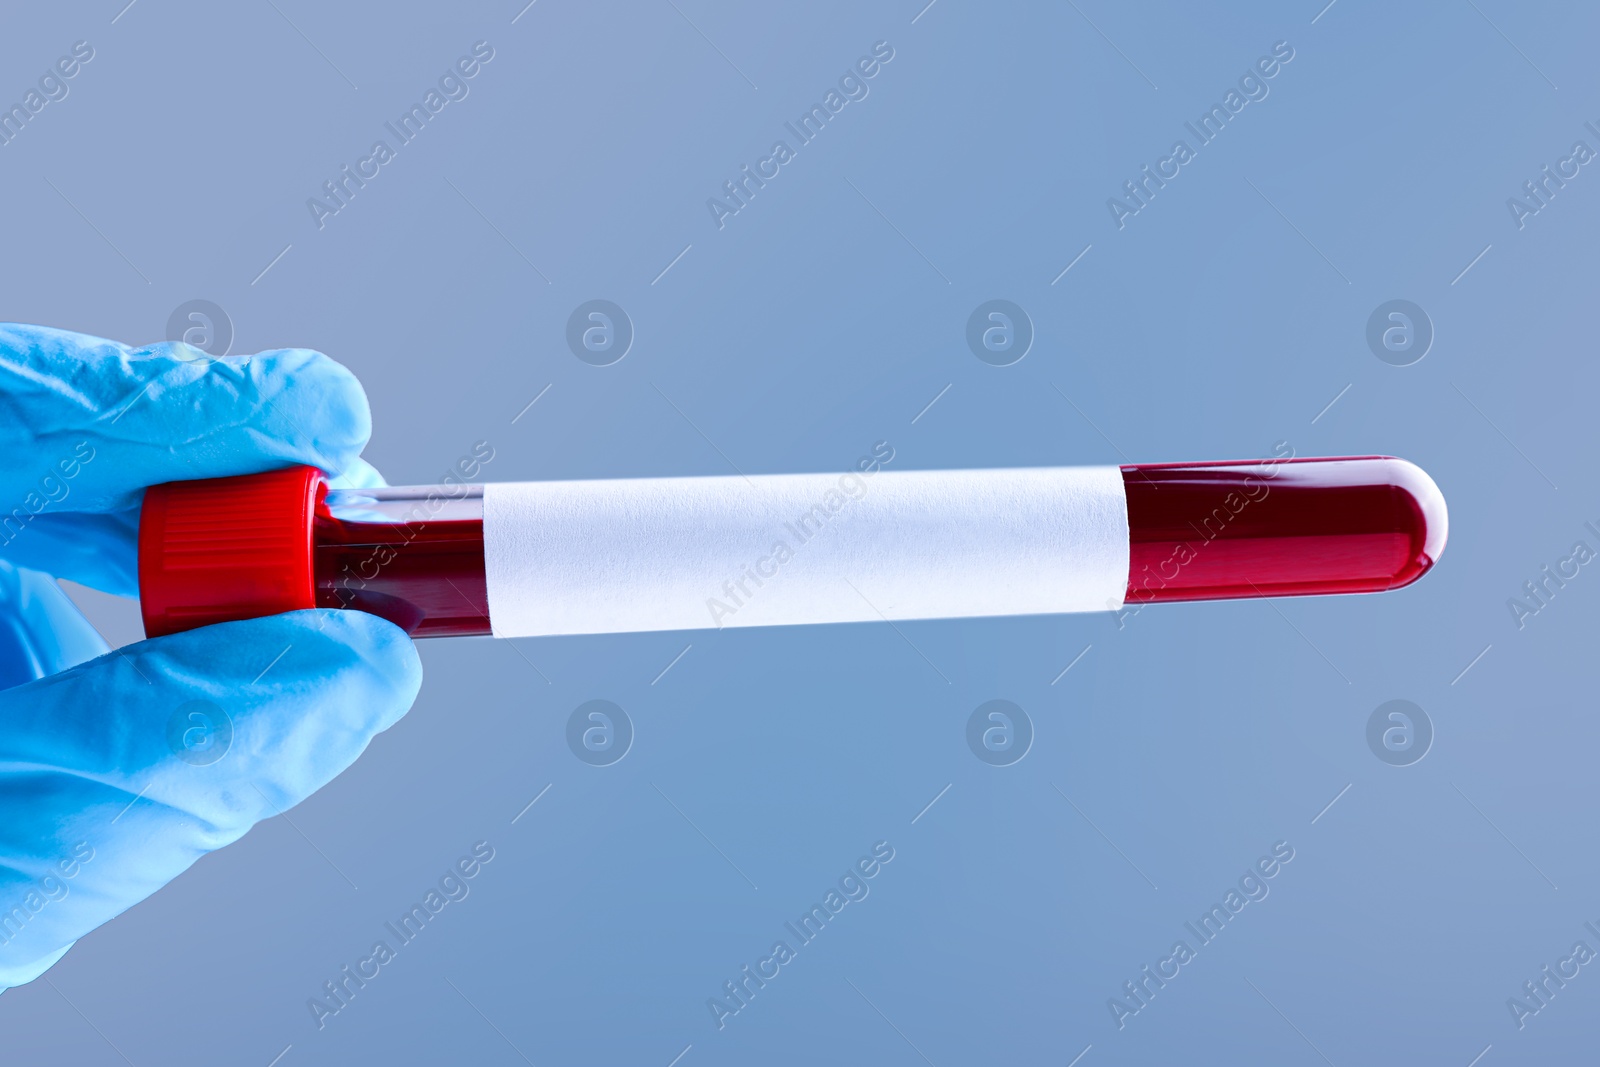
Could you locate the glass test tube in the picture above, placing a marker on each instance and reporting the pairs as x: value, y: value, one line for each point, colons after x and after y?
x: 521, y: 559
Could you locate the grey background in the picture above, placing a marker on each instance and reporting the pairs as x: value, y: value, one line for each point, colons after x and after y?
x: 1228, y: 315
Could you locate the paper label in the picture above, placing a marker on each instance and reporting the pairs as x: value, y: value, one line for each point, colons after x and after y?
x: 621, y: 555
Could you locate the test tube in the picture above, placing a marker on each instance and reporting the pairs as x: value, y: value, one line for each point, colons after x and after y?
x: 523, y: 559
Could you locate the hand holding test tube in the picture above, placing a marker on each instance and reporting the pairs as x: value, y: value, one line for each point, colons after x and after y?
x: 119, y: 770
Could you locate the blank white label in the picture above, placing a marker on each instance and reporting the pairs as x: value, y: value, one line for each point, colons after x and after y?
x: 580, y: 557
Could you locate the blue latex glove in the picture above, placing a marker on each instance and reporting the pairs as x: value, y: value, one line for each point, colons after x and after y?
x: 118, y: 771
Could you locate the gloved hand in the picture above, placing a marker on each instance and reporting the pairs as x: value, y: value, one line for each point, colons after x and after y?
x: 119, y: 770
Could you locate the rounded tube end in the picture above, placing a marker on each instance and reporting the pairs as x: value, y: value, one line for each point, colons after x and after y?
x: 1281, y: 527
x: 1422, y: 507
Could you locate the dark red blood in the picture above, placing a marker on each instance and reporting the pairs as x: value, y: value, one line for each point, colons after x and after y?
x: 425, y: 577
x: 1213, y: 531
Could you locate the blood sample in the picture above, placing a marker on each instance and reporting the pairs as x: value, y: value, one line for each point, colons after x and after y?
x: 535, y: 558
x: 1295, y: 527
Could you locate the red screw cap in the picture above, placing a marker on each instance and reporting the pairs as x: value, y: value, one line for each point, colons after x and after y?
x: 220, y: 549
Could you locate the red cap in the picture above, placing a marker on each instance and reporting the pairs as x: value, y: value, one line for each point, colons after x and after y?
x: 220, y: 549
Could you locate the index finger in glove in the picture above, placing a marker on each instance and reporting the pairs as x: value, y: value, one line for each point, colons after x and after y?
x: 86, y: 424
